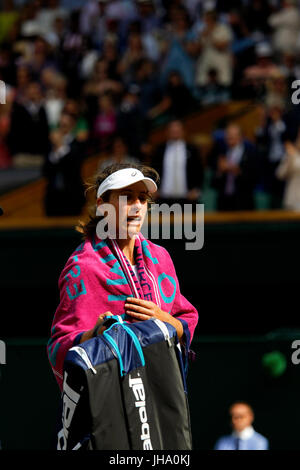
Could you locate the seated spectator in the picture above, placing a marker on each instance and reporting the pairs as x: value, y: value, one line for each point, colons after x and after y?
x: 132, y: 56
x: 177, y: 99
x: 145, y: 78
x: 147, y: 15
x: 23, y: 78
x: 28, y: 137
x: 288, y: 170
x: 100, y: 83
x: 234, y: 163
x: 110, y: 54
x: 243, y: 437
x: 93, y: 20
x: 105, y: 124
x: 130, y: 123
x: 64, y: 192
x: 256, y: 14
x: 215, y: 53
x: 39, y: 59
x: 118, y: 154
x: 213, y: 92
x: 180, y: 167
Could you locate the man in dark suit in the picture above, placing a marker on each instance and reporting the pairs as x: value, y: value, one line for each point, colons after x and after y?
x: 235, y: 172
x: 179, y: 166
x: 64, y: 191
x: 28, y: 138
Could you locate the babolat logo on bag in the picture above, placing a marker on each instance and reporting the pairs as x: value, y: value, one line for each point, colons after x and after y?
x: 138, y: 389
x: 70, y: 400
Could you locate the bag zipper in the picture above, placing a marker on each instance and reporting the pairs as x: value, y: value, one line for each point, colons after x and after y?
x: 83, y: 354
x: 164, y: 330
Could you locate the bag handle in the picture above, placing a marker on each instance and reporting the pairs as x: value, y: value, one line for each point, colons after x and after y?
x: 115, y: 347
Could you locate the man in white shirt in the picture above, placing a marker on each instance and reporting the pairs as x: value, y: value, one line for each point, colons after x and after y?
x: 180, y: 167
x: 243, y: 437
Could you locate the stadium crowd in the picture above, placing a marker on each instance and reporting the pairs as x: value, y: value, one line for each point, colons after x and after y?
x: 91, y: 76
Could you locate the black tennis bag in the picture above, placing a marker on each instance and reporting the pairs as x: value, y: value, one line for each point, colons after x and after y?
x: 126, y: 390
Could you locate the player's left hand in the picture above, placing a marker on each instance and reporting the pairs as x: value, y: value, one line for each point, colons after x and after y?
x: 140, y: 310
x: 144, y: 309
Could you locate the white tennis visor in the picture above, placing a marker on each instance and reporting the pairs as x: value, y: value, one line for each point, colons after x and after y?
x: 123, y: 178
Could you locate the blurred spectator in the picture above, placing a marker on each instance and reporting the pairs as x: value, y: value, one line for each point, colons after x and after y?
x: 105, y: 124
x: 40, y: 59
x: 131, y: 57
x: 213, y: 92
x: 147, y: 16
x: 119, y: 154
x: 149, y: 90
x: 180, y: 167
x: 72, y: 48
x: 256, y: 75
x: 5, y: 157
x: 28, y: 138
x: 64, y: 192
x: 289, y: 171
x: 81, y: 129
x: 30, y: 26
x: 215, y: 41
x: 130, y: 124
x: 93, y: 20
x: 243, y: 437
x: 23, y: 78
x: 179, y: 46
x: 234, y: 163
x: 256, y: 14
x: 47, y: 15
x: 285, y: 24
x: 177, y: 100
x: 8, y: 17
x: 111, y: 56
x: 270, y: 136
x: 55, y: 86
x: 101, y: 82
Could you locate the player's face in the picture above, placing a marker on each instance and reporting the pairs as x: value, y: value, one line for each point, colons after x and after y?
x: 241, y: 417
x: 130, y: 205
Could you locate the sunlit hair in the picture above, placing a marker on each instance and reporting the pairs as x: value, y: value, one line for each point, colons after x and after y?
x: 88, y: 229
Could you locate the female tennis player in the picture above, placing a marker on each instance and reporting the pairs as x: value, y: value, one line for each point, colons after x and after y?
x: 124, y: 275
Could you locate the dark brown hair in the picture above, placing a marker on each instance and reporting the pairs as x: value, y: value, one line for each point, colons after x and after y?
x: 88, y: 229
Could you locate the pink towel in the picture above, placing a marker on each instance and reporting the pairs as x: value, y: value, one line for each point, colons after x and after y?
x: 98, y: 278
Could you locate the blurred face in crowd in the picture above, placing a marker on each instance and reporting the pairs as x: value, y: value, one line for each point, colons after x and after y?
x: 175, y: 131
x: 105, y: 103
x: 241, y: 416
x: 34, y: 92
x: 210, y: 19
x: 135, y: 42
x: 119, y: 147
x: 67, y: 123
x: 175, y: 79
x: 233, y: 135
x: 275, y: 113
